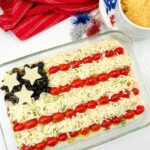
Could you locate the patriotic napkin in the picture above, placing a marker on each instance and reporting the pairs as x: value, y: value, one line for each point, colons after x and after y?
x: 26, y: 18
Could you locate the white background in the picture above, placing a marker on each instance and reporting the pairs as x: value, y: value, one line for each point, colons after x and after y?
x: 11, y: 48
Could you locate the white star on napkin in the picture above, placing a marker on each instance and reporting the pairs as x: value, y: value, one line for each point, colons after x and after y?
x: 10, y: 80
x: 31, y: 74
x: 24, y: 95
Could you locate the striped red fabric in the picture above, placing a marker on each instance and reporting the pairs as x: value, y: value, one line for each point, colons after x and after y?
x: 27, y: 18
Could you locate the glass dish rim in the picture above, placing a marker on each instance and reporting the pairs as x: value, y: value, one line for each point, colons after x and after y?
x: 63, y: 45
x: 75, y: 42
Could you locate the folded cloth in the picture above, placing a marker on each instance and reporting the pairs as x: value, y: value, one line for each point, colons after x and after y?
x: 26, y: 18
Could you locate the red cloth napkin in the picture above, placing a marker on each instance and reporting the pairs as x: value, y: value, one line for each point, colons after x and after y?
x: 26, y: 18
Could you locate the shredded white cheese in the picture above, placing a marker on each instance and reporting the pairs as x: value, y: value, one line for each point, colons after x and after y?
x: 86, y: 70
x: 86, y: 119
x: 48, y: 104
x: 84, y: 51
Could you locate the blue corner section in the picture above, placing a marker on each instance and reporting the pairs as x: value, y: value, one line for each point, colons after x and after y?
x: 110, y: 4
x: 83, y: 18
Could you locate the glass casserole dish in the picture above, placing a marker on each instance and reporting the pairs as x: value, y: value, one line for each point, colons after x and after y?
x: 101, y: 137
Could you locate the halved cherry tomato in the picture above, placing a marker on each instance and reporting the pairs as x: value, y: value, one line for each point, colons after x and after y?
x: 119, y: 50
x: 125, y: 94
x: 102, y: 77
x: 135, y: 91
x: 52, y: 141
x: 104, y: 100
x: 106, y: 123
x: 124, y: 71
x: 97, y: 56
x: 81, y: 108
x: 115, y: 97
x: 76, y: 63
x: 62, y: 137
x: 90, y: 81
x: 31, y: 123
x: 70, y: 113
x: 53, y: 69
x: 74, y: 133
x: 116, y: 120
x: 114, y: 73
x: 64, y: 67
x: 45, y: 119
x: 87, y: 59
x: 58, y: 117
x: 84, y: 131
x: 139, y: 110
x: 77, y: 83
x: 95, y: 127
x: 129, y: 114
x: 18, y: 126
x: 65, y: 88
x: 41, y: 145
x: 91, y: 104
x: 109, y: 53
x: 55, y: 90
x: 24, y: 147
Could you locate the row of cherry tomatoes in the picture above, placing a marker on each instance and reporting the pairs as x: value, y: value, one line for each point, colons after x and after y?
x: 52, y: 141
x: 85, y: 60
x: 81, y: 108
x: 90, y: 81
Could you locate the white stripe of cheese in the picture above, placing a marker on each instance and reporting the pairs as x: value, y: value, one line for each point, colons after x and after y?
x: 86, y: 70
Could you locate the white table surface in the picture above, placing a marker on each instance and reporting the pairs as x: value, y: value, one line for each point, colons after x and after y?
x: 11, y: 48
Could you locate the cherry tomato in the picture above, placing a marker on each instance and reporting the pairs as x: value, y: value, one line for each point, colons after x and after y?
x: 87, y: 60
x: 70, y: 113
x: 119, y: 50
x: 114, y: 73
x: 62, y: 137
x: 124, y: 71
x: 24, y: 147
x: 65, y: 88
x: 64, y: 67
x: 74, y: 133
x: 18, y: 126
x: 31, y: 123
x: 55, y: 90
x: 76, y: 63
x: 45, y: 119
x: 97, y: 56
x: 95, y: 127
x: 91, y: 104
x: 116, y: 120
x: 90, y: 81
x: 41, y: 145
x: 53, y: 69
x: 102, y: 77
x: 52, y: 141
x: 84, y: 131
x: 104, y: 100
x: 58, y: 117
x: 109, y: 53
x: 135, y: 91
x: 139, y: 110
x: 80, y: 108
x: 115, y: 97
x: 129, y: 114
x: 125, y: 94
x: 106, y: 123
x: 77, y: 83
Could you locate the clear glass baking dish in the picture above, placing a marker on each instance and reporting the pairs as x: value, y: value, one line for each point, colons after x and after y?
x: 101, y: 137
